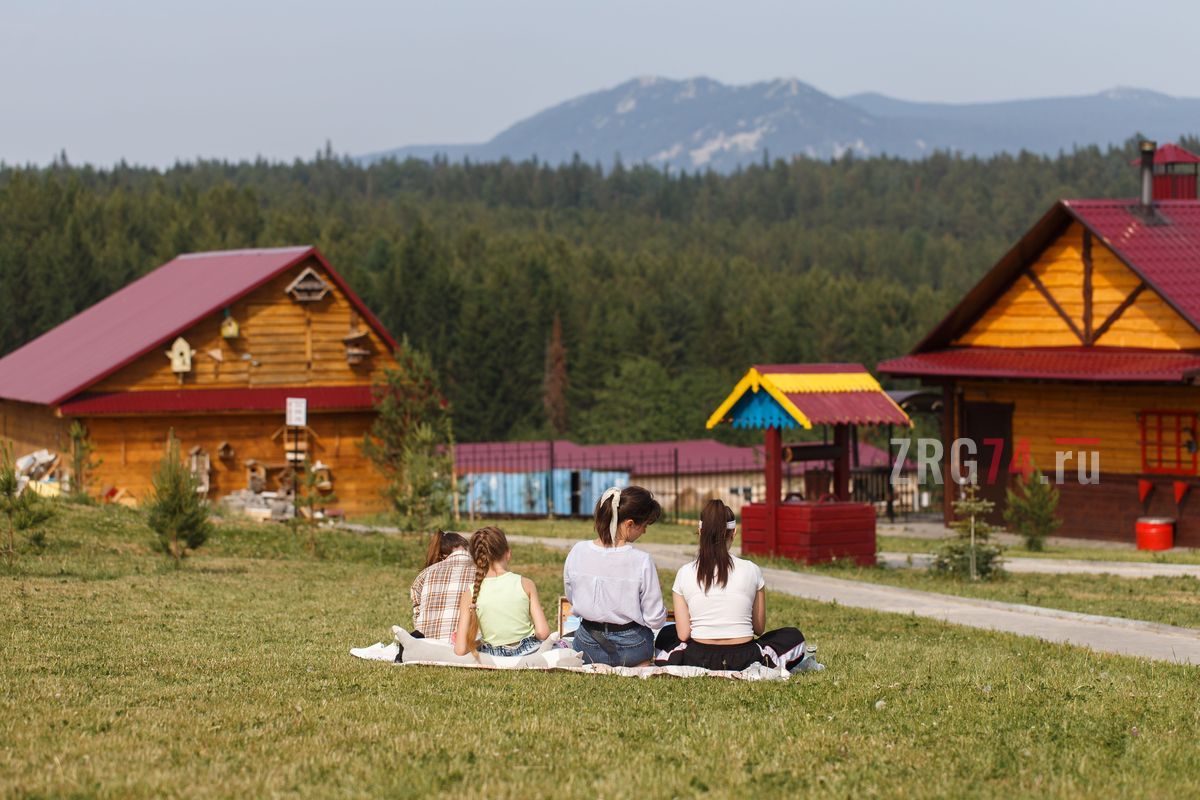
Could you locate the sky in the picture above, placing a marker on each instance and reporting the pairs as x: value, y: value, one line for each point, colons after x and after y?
x: 157, y: 81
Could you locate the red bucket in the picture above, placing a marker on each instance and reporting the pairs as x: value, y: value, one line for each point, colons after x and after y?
x: 1155, y: 533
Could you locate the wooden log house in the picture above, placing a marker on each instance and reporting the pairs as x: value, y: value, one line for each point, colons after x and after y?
x: 1085, y: 337
x: 210, y: 345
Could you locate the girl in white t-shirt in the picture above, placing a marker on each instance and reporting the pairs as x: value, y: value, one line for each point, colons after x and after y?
x: 721, y: 609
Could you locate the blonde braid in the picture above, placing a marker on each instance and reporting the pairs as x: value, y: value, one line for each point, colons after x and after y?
x: 487, y: 545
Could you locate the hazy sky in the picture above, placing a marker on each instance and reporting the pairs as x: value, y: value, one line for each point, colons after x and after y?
x: 158, y: 80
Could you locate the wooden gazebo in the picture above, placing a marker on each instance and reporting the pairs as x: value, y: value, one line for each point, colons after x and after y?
x: 776, y: 397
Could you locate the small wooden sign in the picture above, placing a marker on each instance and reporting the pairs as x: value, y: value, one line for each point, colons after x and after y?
x: 297, y: 412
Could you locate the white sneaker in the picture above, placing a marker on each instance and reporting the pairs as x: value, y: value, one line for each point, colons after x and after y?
x: 376, y: 652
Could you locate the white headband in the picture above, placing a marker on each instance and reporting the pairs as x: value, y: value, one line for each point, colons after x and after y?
x: 615, y: 494
x: 729, y: 526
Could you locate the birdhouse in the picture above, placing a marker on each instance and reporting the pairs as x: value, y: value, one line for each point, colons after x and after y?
x: 229, y: 327
x: 357, y: 346
x: 181, y: 356
x: 308, y: 287
x: 323, y: 477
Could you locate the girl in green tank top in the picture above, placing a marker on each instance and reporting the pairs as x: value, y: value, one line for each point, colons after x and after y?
x: 502, y: 609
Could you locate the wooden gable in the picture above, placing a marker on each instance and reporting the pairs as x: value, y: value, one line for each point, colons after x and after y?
x: 1077, y: 292
x: 279, y: 342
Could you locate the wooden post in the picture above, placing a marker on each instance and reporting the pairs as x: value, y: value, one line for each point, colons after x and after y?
x: 774, y: 459
x: 891, y: 489
x: 949, y: 424
x: 841, y: 466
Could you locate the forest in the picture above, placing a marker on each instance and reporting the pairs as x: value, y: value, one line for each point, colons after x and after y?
x: 603, y: 305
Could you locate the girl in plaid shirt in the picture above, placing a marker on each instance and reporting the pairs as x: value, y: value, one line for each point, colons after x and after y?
x: 449, y: 571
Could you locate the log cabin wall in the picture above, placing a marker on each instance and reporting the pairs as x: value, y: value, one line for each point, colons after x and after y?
x: 32, y: 427
x: 1024, y: 317
x: 1043, y: 412
x: 280, y: 343
x: 131, y: 448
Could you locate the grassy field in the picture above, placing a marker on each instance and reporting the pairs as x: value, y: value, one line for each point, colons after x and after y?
x: 123, y: 677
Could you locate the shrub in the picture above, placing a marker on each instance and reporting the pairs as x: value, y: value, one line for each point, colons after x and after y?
x: 1032, y: 511
x: 176, y: 511
x: 971, y: 554
x: 82, y: 464
x: 309, y: 498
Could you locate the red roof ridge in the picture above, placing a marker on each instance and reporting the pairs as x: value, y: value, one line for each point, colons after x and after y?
x: 245, y: 251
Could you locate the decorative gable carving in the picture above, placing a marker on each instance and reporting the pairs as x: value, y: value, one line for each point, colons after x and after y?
x: 309, y: 287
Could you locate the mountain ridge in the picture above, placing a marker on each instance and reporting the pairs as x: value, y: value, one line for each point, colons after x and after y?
x: 700, y: 123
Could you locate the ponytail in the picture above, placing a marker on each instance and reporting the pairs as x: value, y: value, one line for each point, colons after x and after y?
x: 716, y: 531
x: 487, y: 546
x: 442, y: 544
x: 617, y: 505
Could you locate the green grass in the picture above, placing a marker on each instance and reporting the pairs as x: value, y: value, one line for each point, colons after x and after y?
x: 1179, y: 555
x: 123, y: 677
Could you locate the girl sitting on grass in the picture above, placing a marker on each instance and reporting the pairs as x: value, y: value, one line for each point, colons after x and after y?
x: 502, y: 608
x: 436, y: 590
x: 613, y: 586
x: 721, y: 609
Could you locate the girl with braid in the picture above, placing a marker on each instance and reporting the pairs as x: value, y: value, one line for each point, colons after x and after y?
x: 502, y: 608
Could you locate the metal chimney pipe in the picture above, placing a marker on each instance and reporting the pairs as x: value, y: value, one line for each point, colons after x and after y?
x: 1148, y: 149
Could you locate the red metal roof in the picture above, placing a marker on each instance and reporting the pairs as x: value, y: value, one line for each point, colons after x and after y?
x: 1109, y: 365
x: 1174, y: 154
x: 696, y: 456
x: 147, y: 314
x: 1164, y: 249
x: 852, y: 408
x: 320, y: 398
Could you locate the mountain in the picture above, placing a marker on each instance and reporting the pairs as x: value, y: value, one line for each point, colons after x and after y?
x: 702, y: 124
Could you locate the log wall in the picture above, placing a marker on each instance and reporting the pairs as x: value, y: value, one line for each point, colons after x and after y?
x: 1043, y: 412
x: 132, y: 447
x: 31, y: 427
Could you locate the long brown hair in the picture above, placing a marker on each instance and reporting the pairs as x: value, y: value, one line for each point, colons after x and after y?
x: 633, y: 502
x: 713, y: 561
x: 488, y: 545
x: 442, y: 544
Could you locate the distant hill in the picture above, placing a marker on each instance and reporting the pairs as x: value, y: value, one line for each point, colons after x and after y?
x: 704, y: 124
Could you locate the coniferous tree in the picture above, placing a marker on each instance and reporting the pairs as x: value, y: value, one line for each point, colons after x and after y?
x: 177, y: 512
x: 554, y: 384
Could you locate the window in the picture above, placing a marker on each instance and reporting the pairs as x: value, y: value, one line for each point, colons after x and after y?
x: 1169, y: 442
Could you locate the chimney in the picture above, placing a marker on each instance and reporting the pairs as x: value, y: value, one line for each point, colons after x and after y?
x: 1148, y: 149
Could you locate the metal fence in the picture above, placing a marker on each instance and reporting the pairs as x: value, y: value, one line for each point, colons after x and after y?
x: 539, y: 479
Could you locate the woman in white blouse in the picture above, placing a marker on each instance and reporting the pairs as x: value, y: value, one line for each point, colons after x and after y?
x: 613, y: 586
x: 721, y: 609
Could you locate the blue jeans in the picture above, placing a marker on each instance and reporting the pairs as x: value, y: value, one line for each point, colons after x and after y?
x: 629, y: 648
x: 521, y: 648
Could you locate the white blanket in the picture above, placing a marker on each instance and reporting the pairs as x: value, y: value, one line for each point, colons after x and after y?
x: 755, y: 672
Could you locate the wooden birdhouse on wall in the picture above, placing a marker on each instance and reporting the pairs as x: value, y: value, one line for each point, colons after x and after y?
x: 357, y: 342
x: 229, y: 326
x: 308, y: 287
x: 180, y: 355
